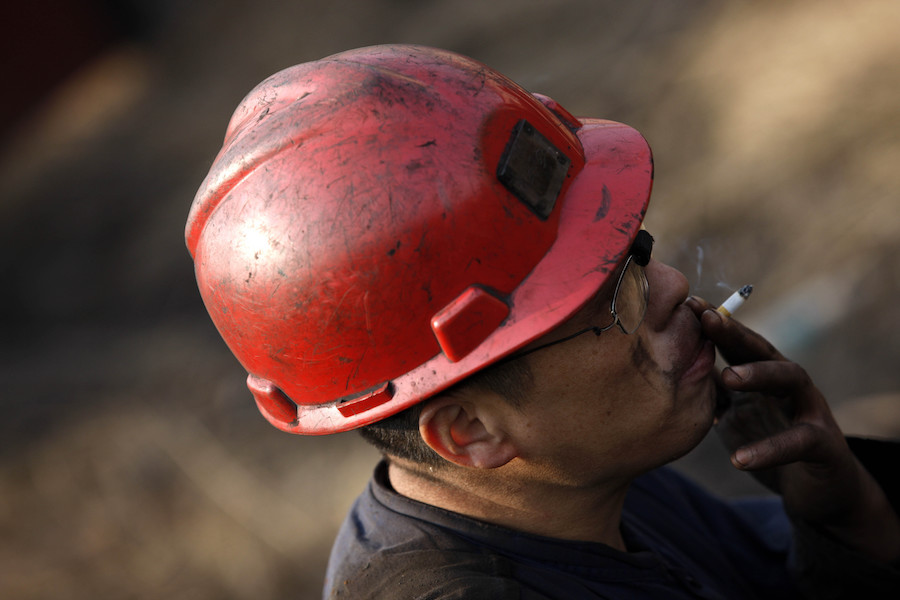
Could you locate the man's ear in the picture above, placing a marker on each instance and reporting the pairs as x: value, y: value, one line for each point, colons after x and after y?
x: 465, y: 434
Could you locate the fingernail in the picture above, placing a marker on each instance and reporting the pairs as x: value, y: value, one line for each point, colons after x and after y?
x: 742, y: 458
x: 739, y: 371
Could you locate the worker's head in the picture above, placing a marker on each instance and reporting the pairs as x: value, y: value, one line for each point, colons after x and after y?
x: 393, y: 224
x: 621, y: 387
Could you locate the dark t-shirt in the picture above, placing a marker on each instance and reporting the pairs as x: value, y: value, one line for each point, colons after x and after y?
x: 682, y: 542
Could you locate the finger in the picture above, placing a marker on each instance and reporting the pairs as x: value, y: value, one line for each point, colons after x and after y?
x: 771, y: 376
x: 753, y: 416
x: 698, y: 305
x: 792, y: 445
x: 785, y: 383
x: 737, y: 343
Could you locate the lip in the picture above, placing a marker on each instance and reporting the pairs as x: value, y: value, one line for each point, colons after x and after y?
x: 702, y: 363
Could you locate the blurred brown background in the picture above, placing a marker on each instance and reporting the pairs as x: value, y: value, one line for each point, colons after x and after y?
x: 133, y: 463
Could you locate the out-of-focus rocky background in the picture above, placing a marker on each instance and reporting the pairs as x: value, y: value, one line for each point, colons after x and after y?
x: 133, y: 463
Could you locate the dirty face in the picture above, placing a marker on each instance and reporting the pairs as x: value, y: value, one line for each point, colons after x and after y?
x: 613, y: 406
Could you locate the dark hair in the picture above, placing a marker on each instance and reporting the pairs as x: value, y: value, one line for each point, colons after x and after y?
x: 398, y: 435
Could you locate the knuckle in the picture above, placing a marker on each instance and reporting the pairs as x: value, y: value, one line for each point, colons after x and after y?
x: 779, y: 448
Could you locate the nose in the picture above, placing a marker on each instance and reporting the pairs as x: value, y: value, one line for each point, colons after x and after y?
x: 668, y: 290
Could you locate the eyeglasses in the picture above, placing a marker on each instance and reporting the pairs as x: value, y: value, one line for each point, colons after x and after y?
x: 630, y: 297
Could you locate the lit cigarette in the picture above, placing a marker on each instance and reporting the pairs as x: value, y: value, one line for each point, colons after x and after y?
x: 735, y: 301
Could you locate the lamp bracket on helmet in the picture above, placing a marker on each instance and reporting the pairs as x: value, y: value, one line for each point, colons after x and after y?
x: 533, y: 169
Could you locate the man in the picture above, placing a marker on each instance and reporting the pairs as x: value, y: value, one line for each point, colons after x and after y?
x: 400, y: 240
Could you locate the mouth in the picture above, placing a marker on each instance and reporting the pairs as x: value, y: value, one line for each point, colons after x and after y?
x: 702, y: 362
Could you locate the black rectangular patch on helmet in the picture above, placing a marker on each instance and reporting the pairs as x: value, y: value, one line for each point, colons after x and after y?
x: 533, y: 168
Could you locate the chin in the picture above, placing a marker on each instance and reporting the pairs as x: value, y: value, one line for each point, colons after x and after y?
x: 699, y: 422
x: 707, y: 402
x: 691, y: 440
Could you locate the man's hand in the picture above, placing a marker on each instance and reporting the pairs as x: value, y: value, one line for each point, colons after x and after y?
x: 778, y: 425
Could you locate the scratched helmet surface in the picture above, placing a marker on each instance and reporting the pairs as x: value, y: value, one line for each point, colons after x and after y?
x: 383, y: 222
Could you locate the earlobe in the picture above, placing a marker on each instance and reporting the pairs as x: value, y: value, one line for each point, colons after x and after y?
x: 459, y: 434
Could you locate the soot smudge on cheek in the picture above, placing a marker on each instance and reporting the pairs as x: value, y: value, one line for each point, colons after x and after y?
x: 649, y: 369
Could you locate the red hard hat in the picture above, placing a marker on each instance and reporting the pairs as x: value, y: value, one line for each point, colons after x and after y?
x: 384, y: 222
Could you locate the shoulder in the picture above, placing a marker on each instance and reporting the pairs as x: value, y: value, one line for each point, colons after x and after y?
x: 391, y: 547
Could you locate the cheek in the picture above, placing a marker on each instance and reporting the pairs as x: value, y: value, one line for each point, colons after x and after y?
x: 606, y: 388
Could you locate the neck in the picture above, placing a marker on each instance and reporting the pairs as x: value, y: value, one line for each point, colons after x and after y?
x: 583, y: 513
